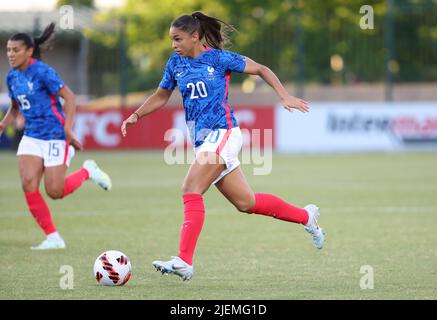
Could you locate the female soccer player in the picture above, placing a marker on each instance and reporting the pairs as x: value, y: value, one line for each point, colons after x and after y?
x: 201, y: 69
x: 48, y: 143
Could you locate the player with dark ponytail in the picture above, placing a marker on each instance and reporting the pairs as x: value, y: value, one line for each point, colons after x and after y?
x: 38, y: 44
x: 201, y: 69
x: 48, y: 143
x: 208, y: 28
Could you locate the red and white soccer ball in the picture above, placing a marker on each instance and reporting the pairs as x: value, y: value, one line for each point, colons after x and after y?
x: 112, y: 268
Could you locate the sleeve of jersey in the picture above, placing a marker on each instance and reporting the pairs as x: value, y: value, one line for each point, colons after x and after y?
x: 233, y: 61
x: 168, y: 81
x: 51, y: 79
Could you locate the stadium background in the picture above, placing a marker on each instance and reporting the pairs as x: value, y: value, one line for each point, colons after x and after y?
x: 368, y: 145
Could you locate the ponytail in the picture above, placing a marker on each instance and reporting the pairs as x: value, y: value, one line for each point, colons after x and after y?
x: 42, y: 43
x: 45, y: 41
x: 211, y: 30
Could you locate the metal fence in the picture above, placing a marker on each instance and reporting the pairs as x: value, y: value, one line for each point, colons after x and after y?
x: 331, y: 47
x: 304, y: 46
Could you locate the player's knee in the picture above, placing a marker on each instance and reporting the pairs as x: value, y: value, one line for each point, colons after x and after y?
x: 54, y: 193
x: 29, y: 184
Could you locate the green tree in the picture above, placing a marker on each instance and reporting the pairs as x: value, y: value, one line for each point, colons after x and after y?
x: 335, y: 49
x: 146, y: 29
x: 76, y: 3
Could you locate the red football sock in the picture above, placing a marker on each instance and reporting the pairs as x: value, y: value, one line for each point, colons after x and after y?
x: 74, y: 181
x: 271, y: 205
x: 194, y: 215
x: 40, y: 211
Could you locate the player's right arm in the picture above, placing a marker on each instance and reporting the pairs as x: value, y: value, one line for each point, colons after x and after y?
x: 10, y: 116
x: 156, y: 101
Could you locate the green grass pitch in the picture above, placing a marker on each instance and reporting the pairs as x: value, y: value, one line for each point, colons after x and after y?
x: 378, y: 210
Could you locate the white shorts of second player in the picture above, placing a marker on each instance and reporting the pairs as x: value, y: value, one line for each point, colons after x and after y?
x: 225, y: 142
x: 53, y: 152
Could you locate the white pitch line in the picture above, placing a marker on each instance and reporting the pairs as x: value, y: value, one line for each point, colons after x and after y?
x: 387, y: 209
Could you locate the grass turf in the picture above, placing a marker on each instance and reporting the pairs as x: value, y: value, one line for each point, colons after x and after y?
x: 378, y: 210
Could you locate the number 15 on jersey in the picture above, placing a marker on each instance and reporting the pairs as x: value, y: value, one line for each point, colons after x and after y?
x: 25, y: 104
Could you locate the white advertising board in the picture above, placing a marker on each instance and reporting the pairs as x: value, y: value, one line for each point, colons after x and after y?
x: 357, y: 126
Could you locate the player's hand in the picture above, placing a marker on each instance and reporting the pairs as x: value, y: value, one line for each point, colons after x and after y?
x: 291, y: 103
x: 133, y: 118
x: 71, y: 139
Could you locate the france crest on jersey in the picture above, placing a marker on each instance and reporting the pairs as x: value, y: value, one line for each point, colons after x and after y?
x: 204, y: 83
x: 35, y: 90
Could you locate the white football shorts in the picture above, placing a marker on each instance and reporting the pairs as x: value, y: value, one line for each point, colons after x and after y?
x: 53, y: 152
x: 225, y: 142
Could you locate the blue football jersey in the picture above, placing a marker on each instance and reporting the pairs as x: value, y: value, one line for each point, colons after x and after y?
x: 204, y: 84
x: 35, y: 90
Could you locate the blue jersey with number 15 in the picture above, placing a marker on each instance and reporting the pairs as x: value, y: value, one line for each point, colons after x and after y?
x: 35, y: 90
x: 204, y: 83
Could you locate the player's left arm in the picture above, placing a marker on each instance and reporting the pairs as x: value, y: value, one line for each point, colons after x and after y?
x: 70, y: 114
x: 289, y: 102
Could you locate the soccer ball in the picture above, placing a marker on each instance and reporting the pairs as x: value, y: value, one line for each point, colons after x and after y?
x: 112, y: 268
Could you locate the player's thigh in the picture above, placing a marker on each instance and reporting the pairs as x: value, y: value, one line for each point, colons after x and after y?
x: 205, y: 168
x: 237, y: 190
x: 54, y: 180
x: 31, y: 170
